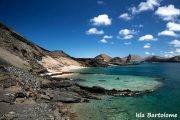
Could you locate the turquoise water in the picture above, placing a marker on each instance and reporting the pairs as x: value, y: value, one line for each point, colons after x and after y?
x: 118, y: 82
x: 166, y: 99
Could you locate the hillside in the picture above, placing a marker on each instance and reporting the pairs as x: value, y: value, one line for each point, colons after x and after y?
x: 22, y: 53
x: 174, y: 59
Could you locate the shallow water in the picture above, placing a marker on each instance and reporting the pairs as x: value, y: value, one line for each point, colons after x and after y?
x: 165, y: 99
x: 118, y: 82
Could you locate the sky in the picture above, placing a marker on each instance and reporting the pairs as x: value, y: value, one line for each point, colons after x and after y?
x: 86, y: 28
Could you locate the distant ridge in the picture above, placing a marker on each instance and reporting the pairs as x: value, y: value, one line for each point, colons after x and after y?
x: 20, y: 52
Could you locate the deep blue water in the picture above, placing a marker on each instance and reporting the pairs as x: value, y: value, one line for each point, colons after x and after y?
x: 165, y: 100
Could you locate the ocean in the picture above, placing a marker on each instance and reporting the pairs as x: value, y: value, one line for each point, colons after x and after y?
x: 165, y: 101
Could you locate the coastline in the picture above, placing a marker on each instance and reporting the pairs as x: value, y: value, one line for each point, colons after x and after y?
x: 62, y: 71
x: 70, y: 93
x: 74, y: 107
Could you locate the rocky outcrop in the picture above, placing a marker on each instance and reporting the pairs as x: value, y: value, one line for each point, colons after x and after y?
x: 21, y: 88
x: 66, y: 97
x: 132, y: 58
x: 117, y: 61
x: 114, y: 92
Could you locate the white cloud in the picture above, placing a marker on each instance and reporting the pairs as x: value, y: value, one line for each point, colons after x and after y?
x: 173, y: 26
x: 133, y: 10
x: 141, y: 26
x: 148, y: 5
x: 167, y: 33
x: 168, y: 12
x: 100, y: 2
x: 127, y: 43
x: 125, y: 16
x: 101, y: 20
x: 108, y: 37
x: 147, y: 53
x: 147, y: 46
x: 144, y: 6
x: 170, y: 52
x: 126, y: 33
x: 177, y: 50
x: 94, y: 31
x: 147, y: 38
x: 168, y: 55
x: 176, y: 43
x: 128, y: 37
x: 103, y: 40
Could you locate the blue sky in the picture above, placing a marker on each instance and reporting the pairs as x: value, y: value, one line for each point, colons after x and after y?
x: 86, y: 28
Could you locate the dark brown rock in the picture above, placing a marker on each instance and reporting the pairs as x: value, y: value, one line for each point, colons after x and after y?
x: 8, y: 82
x: 66, y: 97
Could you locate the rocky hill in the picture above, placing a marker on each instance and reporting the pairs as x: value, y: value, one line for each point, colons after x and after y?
x: 22, y: 53
x: 103, y: 58
x: 118, y: 61
x: 155, y: 59
x: 174, y: 59
x: 18, y: 51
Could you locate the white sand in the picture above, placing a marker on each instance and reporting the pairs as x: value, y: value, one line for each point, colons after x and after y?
x: 67, y: 69
x: 56, y: 66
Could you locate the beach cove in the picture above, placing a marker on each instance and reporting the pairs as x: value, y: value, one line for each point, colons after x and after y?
x: 118, y: 107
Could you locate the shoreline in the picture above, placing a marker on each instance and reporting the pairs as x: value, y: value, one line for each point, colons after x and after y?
x: 59, y: 91
x: 61, y: 72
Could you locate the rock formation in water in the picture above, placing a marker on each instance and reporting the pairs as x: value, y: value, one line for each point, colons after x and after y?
x: 133, y: 58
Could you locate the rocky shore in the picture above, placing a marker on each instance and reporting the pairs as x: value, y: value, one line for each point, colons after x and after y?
x: 25, y: 95
x: 114, y: 92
